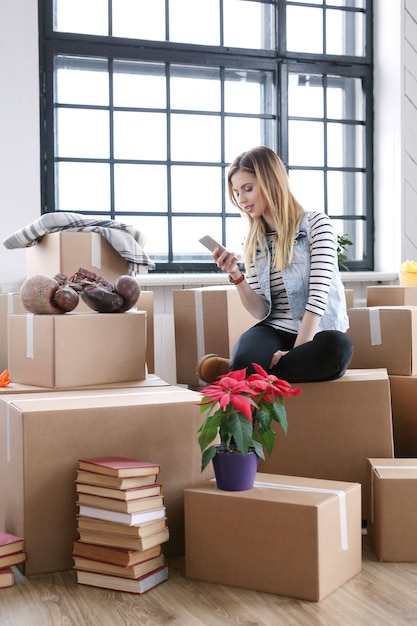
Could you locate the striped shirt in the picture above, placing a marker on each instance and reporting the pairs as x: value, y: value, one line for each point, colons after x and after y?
x: 323, y: 260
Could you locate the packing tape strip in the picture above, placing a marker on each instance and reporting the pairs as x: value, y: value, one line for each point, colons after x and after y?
x: 337, y: 492
x: 29, y: 336
x: 96, y: 250
x: 10, y: 303
x: 375, y: 326
x: 199, y: 322
x: 8, y: 447
x: 374, y: 470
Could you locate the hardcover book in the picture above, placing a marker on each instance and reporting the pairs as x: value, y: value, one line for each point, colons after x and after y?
x: 121, y: 541
x: 6, y: 577
x: 133, y: 571
x: 112, y: 504
x: 102, y: 480
x: 120, y: 494
x: 119, y: 466
x: 104, y: 526
x: 131, y: 519
x: 10, y: 543
x: 114, y: 555
x: 12, y: 559
x: 117, y: 583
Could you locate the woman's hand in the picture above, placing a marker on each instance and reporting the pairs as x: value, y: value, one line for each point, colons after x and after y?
x: 225, y: 260
x: 277, y: 356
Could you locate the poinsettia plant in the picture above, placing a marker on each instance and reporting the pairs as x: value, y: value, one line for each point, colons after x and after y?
x: 241, y: 410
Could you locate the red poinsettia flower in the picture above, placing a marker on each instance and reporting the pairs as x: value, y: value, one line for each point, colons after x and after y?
x: 231, y: 389
x: 270, y: 385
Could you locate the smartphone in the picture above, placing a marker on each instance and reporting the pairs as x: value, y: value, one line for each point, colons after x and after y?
x: 211, y: 243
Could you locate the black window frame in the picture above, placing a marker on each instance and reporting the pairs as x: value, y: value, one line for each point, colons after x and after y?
x: 279, y: 61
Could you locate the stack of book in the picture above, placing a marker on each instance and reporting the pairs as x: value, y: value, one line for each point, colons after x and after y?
x: 121, y: 525
x: 12, y: 552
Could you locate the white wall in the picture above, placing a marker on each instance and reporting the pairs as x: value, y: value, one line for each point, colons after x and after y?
x: 19, y: 130
x: 395, y: 134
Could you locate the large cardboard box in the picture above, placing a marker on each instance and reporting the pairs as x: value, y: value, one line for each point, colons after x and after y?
x: 64, y: 252
x: 76, y: 349
x: 9, y: 303
x: 391, y: 295
x: 404, y: 415
x: 333, y: 427
x: 43, y: 435
x: 384, y: 337
x: 151, y: 380
x: 392, y: 524
x: 208, y: 320
x: 290, y: 536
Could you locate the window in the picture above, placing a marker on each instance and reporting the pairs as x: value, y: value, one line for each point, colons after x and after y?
x: 146, y: 104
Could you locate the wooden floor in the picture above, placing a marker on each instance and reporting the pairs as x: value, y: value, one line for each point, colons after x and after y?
x: 383, y: 594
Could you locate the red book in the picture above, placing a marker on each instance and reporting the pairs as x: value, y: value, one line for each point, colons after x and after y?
x: 10, y: 543
x: 6, y: 577
x: 12, y: 559
x: 119, y: 466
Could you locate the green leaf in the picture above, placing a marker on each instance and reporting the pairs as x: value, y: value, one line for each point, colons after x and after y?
x: 241, y: 430
x: 208, y: 455
x: 257, y: 445
x: 268, y: 439
x: 280, y: 415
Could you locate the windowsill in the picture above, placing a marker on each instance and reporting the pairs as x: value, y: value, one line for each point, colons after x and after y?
x: 153, y: 279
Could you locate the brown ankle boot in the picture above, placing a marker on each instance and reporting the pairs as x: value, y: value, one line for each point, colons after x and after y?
x: 211, y: 366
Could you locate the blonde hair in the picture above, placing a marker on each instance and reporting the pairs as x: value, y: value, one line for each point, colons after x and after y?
x: 274, y: 188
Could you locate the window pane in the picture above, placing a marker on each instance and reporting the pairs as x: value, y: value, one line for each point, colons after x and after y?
x: 81, y: 16
x: 140, y: 187
x: 195, y: 138
x: 305, y: 95
x: 255, y: 28
x: 81, y: 81
x: 355, y: 232
x: 345, y: 33
x: 138, y: 84
x: 91, y: 191
x: 306, y: 143
x: 249, y: 92
x: 139, y: 136
x: 196, y: 189
x: 194, y: 22
x: 186, y: 232
x: 308, y: 188
x: 305, y: 29
x: 346, y: 193
x: 139, y: 20
x: 345, y: 98
x: 236, y: 231
x: 241, y: 134
x: 82, y: 133
x: 345, y: 145
x: 194, y: 89
x: 156, y: 230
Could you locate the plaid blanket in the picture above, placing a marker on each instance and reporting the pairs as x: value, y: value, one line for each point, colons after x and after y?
x: 126, y: 240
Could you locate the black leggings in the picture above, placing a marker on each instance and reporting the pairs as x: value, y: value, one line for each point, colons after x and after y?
x: 326, y: 357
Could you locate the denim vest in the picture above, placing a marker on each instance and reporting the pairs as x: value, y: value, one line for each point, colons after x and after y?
x: 296, y: 281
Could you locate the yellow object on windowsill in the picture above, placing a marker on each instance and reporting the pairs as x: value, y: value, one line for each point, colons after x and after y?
x: 408, y: 273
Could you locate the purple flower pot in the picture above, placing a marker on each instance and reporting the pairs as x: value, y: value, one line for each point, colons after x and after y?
x: 234, y: 471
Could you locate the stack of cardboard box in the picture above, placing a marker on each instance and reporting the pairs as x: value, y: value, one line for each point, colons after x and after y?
x: 81, y: 387
x: 385, y: 334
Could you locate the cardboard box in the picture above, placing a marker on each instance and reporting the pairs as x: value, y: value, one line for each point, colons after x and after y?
x: 384, y: 337
x: 290, y: 536
x: 349, y: 295
x: 151, y: 380
x: 64, y: 252
x: 9, y: 303
x: 391, y: 295
x: 43, y: 435
x: 333, y: 427
x: 404, y: 415
x: 392, y: 525
x: 76, y: 349
x: 208, y: 320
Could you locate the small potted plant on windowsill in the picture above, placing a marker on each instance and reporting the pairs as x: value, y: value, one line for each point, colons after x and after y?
x: 241, y: 410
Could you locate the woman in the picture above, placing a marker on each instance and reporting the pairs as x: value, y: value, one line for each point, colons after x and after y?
x: 292, y: 282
